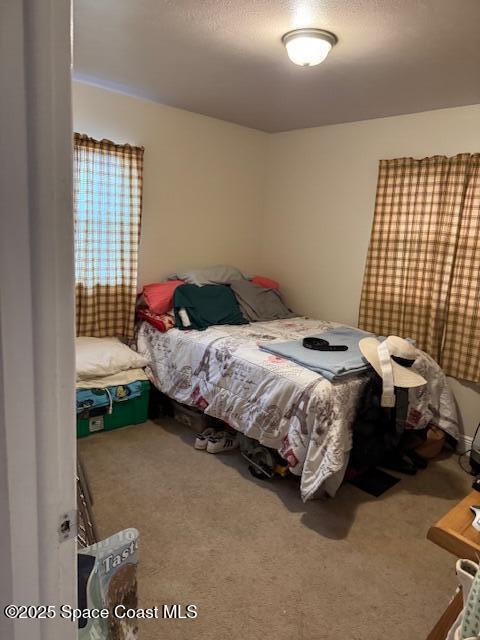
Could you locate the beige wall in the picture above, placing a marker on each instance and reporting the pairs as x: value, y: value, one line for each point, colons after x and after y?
x: 319, y: 206
x: 296, y: 206
x: 203, y: 180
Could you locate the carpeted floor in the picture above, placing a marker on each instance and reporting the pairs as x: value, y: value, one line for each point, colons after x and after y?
x: 258, y: 562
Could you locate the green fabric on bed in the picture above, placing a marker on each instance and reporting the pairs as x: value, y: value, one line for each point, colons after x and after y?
x: 206, y: 306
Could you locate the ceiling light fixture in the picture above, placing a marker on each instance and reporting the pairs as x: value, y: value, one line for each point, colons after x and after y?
x: 308, y: 47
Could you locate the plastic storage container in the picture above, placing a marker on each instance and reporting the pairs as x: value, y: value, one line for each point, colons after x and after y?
x: 134, y: 411
x: 194, y: 419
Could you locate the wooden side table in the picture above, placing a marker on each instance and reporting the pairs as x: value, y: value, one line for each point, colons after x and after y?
x: 454, y: 533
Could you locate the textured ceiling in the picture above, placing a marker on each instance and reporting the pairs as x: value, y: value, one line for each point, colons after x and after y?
x: 224, y: 58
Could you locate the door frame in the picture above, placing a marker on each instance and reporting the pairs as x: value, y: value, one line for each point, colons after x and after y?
x: 37, y: 359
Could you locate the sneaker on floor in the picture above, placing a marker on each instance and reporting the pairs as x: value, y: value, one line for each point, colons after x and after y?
x: 222, y: 441
x: 202, y: 438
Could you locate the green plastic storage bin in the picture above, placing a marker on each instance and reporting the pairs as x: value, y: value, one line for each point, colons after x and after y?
x: 134, y: 411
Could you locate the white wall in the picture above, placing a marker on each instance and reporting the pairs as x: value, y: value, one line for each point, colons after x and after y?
x: 320, y: 199
x: 203, y: 180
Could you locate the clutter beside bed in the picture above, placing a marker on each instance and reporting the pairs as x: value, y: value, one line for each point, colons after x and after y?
x: 215, y: 436
x: 107, y: 578
x: 291, y: 385
x: 112, y: 388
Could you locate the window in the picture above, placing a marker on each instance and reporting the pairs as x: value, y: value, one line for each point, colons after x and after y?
x: 107, y: 210
x: 422, y: 277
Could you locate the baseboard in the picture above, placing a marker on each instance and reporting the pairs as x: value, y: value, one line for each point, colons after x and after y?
x: 464, y: 443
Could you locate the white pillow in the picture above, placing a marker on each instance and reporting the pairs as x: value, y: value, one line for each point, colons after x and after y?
x: 98, y: 357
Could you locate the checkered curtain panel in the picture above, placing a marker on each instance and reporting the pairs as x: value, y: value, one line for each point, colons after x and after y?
x: 422, y: 272
x: 107, y: 209
x: 461, y: 345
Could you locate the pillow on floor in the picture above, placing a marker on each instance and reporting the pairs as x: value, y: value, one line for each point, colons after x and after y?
x: 258, y: 303
x: 98, y: 357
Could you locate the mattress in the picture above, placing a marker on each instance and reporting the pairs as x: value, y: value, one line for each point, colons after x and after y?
x: 279, y: 403
x: 122, y: 377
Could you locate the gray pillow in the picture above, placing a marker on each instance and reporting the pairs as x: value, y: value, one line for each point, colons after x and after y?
x: 219, y: 274
x: 259, y: 304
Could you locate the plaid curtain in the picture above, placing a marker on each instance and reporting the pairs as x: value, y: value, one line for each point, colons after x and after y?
x: 461, y: 345
x: 107, y: 207
x: 422, y: 273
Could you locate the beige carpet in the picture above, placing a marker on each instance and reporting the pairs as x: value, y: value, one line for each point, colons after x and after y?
x: 258, y: 562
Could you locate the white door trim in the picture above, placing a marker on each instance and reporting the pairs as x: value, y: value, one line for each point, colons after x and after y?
x: 37, y: 421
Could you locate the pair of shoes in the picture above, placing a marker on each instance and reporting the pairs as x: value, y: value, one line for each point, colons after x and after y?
x: 201, y: 440
x: 222, y: 441
x: 216, y: 441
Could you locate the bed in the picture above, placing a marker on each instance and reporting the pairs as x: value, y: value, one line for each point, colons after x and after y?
x: 281, y: 404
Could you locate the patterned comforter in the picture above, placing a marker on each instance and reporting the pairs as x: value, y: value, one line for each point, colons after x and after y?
x: 279, y: 403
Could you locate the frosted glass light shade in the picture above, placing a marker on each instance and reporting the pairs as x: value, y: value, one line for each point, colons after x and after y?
x: 308, y: 47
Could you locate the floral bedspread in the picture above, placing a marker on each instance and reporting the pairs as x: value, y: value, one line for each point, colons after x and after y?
x: 279, y: 403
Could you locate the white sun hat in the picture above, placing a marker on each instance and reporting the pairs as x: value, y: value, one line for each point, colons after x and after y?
x: 386, y: 358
